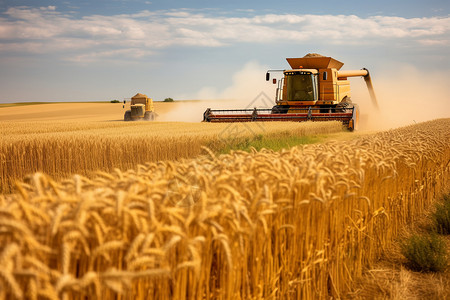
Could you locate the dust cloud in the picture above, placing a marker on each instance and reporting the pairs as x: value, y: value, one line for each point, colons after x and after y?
x: 248, y: 90
x: 406, y: 95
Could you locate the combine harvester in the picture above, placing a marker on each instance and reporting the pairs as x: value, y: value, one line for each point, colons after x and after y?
x: 313, y: 90
x: 141, y: 108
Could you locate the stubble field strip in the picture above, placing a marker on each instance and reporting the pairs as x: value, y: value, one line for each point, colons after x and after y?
x: 63, y: 148
x: 299, y: 223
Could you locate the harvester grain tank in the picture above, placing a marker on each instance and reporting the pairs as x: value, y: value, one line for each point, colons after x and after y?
x: 141, y: 108
x: 314, y: 89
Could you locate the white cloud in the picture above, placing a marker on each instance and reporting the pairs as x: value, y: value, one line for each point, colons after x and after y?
x: 27, y: 29
x: 430, y: 42
x: 110, y: 54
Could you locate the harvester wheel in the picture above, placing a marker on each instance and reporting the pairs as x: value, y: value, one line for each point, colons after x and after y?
x: 127, y: 116
x: 149, y: 116
x: 354, y: 122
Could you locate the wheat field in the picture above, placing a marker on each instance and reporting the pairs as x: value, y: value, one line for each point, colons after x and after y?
x: 299, y: 223
x: 61, y: 148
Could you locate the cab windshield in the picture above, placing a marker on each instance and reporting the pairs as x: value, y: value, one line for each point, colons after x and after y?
x: 300, y: 86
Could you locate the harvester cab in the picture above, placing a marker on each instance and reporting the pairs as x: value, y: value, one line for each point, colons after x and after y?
x: 314, y: 89
x: 141, y: 108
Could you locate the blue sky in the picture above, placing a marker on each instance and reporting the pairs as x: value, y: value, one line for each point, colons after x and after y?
x: 103, y: 50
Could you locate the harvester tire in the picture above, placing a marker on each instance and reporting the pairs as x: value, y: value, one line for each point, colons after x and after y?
x: 149, y: 116
x: 127, y: 116
x: 354, y: 122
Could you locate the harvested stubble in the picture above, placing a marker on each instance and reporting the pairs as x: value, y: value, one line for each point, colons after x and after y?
x: 297, y: 224
x: 60, y: 149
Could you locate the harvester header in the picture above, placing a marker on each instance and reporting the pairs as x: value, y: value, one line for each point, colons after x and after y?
x: 315, y: 89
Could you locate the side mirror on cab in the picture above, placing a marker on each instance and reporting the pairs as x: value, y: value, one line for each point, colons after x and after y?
x: 267, y: 76
x: 325, y: 75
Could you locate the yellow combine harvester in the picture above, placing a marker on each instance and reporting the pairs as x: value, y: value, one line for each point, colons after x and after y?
x: 313, y: 90
x: 141, y: 108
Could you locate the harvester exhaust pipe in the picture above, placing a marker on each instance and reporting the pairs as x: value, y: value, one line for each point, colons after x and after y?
x: 364, y: 73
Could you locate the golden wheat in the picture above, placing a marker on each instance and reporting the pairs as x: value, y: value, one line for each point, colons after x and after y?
x: 299, y: 223
x: 64, y: 148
